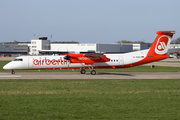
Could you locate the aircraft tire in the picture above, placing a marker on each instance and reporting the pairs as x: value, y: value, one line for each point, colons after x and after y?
x: 12, y: 72
x: 83, y: 71
x: 93, y: 72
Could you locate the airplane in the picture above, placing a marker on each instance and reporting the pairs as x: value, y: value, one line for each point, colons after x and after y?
x: 158, y: 51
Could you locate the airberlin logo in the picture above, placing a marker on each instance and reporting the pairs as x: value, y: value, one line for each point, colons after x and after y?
x: 46, y: 61
x: 162, y: 46
x: 162, y: 43
x: 89, y: 58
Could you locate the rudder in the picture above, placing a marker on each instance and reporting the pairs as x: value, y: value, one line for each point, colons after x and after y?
x: 161, y: 43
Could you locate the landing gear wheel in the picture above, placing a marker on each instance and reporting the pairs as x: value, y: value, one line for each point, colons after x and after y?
x: 12, y: 72
x: 93, y: 72
x: 83, y: 71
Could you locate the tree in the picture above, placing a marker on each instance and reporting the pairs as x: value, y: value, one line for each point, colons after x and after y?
x: 15, y: 42
x: 124, y: 41
x: 176, y: 41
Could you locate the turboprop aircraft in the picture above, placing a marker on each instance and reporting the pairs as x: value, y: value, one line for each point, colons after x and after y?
x: 158, y: 51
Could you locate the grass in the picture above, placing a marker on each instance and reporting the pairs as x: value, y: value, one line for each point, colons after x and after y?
x: 90, y: 99
x: 132, y: 69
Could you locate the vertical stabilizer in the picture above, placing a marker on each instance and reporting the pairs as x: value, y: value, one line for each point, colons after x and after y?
x: 161, y: 43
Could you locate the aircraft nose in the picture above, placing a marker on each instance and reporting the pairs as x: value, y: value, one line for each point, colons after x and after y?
x: 7, y: 67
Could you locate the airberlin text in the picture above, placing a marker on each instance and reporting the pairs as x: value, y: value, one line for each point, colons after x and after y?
x: 89, y: 58
x: 47, y: 61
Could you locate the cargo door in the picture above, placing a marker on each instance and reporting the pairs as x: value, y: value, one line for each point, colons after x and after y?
x: 121, y: 61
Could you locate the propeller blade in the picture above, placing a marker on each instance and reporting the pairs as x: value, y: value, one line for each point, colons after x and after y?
x: 67, y: 57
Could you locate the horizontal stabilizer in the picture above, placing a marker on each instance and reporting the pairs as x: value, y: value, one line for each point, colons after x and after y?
x: 93, y: 54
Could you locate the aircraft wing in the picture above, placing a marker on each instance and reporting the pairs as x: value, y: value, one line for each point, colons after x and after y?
x: 87, y: 58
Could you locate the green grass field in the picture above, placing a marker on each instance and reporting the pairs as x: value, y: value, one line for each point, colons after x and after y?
x: 90, y: 99
x: 132, y: 69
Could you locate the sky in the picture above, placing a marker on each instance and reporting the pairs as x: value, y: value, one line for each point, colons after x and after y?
x: 88, y: 21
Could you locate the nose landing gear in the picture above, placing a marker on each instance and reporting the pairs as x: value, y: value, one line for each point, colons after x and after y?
x: 12, y: 72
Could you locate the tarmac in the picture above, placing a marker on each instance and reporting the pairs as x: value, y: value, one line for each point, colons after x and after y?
x: 77, y: 75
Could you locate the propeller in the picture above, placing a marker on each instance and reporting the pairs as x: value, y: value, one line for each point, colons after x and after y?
x: 67, y: 57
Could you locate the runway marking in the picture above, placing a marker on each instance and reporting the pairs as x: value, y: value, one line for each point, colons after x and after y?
x: 11, y: 76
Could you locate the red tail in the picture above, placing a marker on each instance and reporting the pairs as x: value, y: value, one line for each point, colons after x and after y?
x: 161, y: 44
x: 159, y: 49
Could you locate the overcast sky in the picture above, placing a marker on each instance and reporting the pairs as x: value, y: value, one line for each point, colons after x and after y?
x: 88, y: 21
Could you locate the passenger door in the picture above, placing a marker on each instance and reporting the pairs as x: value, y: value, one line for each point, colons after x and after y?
x: 121, y: 61
x: 30, y: 62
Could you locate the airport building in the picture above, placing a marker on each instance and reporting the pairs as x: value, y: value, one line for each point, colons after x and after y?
x: 60, y: 48
x: 137, y: 47
x: 43, y: 46
x: 38, y: 45
x: 174, y: 48
x: 13, y: 49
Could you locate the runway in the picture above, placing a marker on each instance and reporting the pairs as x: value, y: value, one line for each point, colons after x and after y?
x: 77, y: 75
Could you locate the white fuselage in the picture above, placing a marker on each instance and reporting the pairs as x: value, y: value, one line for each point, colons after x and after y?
x: 58, y: 62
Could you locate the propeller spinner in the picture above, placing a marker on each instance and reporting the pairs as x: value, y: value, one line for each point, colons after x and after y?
x: 67, y: 57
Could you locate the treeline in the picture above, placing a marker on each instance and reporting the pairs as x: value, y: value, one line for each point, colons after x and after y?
x: 65, y: 42
x: 14, y: 42
x: 176, y: 41
x: 54, y: 42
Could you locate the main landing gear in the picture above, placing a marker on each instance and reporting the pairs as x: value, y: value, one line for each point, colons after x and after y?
x: 12, y: 72
x: 83, y: 71
x: 93, y: 72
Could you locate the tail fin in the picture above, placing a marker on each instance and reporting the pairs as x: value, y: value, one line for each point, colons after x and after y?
x: 161, y: 44
x: 159, y: 49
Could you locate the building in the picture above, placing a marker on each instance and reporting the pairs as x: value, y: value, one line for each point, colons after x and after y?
x: 174, y: 50
x: 43, y: 46
x: 37, y: 45
x: 137, y: 47
x: 87, y: 48
x: 13, y: 49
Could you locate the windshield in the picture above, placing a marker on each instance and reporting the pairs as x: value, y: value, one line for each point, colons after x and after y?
x: 18, y: 59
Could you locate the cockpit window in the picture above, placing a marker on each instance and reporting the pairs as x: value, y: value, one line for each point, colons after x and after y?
x: 18, y: 59
x: 15, y: 60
